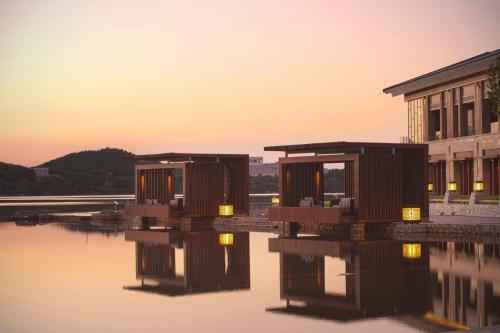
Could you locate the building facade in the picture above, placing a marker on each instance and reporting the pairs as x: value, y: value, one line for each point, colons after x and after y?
x: 449, y: 109
x: 259, y: 168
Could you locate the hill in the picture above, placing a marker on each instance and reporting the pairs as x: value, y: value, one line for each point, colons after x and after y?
x: 105, y: 171
x: 15, y: 179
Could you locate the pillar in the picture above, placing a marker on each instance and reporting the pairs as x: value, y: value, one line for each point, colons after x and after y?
x: 425, y: 118
x: 450, y: 117
x: 443, y: 116
x: 478, y: 108
x: 460, y: 118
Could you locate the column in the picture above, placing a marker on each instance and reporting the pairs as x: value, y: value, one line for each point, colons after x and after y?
x: 425, y: 118
x: 460, y: 119
x: 478, y: 108
x: 442, y: 116
x: 450, y: 129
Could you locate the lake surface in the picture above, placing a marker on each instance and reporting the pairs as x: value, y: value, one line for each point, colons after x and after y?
x: 57, y: 278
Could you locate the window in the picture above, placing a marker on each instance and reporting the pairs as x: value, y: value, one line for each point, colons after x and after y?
x: 415, y: 108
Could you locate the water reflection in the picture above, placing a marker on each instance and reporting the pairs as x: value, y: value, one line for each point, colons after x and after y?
x: 176, y: 263
x: 430, y: 286
x: 466, y: 283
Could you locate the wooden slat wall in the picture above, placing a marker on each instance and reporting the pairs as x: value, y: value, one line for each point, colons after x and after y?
x: 300, y: 181
x: 415, y: 180
x: 389, y: 281
x: 205, y: 259
x: 303, y: 276
x: 238, y: 183
x: 204, y: 189
x: 349, y: 179
x: 381, y: 187
x: 154, y: 260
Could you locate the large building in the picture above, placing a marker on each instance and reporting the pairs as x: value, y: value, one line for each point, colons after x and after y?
x: 449, y: 109
x: 259, y: 168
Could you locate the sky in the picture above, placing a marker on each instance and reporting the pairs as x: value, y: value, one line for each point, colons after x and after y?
x: 219, y: 76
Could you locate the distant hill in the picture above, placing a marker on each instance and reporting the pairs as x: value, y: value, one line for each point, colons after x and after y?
x: 16, y: 179
x: 105, y: 171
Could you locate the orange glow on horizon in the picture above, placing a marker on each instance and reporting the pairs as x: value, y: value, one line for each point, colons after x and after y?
x: 218, y: 76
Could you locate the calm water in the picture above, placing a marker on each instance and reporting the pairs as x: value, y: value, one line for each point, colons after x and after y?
x: 58, y: 280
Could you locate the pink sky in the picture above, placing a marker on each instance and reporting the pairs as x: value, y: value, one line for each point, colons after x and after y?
x: 219, y: 76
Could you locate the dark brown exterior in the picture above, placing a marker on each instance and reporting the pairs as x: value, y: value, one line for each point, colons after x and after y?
x: 379, y: 280
x: 381, y: 177
x: 208, y: 181
x: 205, y: 266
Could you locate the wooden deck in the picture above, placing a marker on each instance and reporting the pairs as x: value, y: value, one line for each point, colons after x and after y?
x: 309, y: 215
x: 158, y: 211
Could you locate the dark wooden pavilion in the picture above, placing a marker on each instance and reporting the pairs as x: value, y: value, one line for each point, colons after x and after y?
x: 203, y: 181
x: 380, y: 179
x: 207, y: 266
x: 379, y: 280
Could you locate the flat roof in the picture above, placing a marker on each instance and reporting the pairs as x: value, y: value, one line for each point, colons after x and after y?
x: 477, y: 64
x: 342, y: 147
x: 178, y: 157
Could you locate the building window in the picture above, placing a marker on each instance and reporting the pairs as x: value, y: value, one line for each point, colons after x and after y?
x: 415, y: 108
x: 470, y: 122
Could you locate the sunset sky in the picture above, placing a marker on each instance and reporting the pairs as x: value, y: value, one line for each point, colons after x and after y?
x: 219, y: 76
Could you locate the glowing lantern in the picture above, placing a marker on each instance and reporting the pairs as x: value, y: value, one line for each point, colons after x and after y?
x: 412, y: 251
x: 478, y: 186
x: 226, y: 239
x: 275, y: 200
x: 430, y: 187
x: 226, y: 210
x: 411, y: 214
x: 452, y: 186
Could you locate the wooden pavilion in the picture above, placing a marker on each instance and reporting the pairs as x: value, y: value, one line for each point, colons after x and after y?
x: 211, y: 261
x: 380, y: 180
x: 175, y: 185
x: 379, y: 279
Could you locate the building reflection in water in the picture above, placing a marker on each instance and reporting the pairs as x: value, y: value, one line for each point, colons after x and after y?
x: 422, y: 284
x: 205, y: 261
x: 466, y: 282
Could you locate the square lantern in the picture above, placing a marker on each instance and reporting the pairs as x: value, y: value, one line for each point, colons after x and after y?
x: 226, y: 239
x: 412, y: 251
x: 478, y: 186
x: 411, y: 214
x: 275, y: 200
x: 226, y: 210
x: 430, y: 187
x: 452, y: 186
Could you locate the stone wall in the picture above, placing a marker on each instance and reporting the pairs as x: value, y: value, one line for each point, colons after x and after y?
x: 482, y: 210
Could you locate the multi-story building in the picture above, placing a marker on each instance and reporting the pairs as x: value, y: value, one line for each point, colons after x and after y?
x: 449, y: 109
x: 259, y: 168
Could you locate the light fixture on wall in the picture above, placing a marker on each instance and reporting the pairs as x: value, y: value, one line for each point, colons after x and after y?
x: 478, y: 186
x: 411, y: 214
x: 452, y: 186
x: 275, y: 200
x: 226, y: 210
x: 430, y: 187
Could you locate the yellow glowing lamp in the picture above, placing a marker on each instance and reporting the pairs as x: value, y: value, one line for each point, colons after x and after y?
x: 452, y: 186
x: 226, y: 210
x: 412, y: 251
x: 411, y: 214
x: 275, y: 200
x: 226, y: 239
x: 430, y: 187
x: 478, y: 186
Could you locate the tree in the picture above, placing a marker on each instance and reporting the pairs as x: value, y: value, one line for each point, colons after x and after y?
x: 494, y: 85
